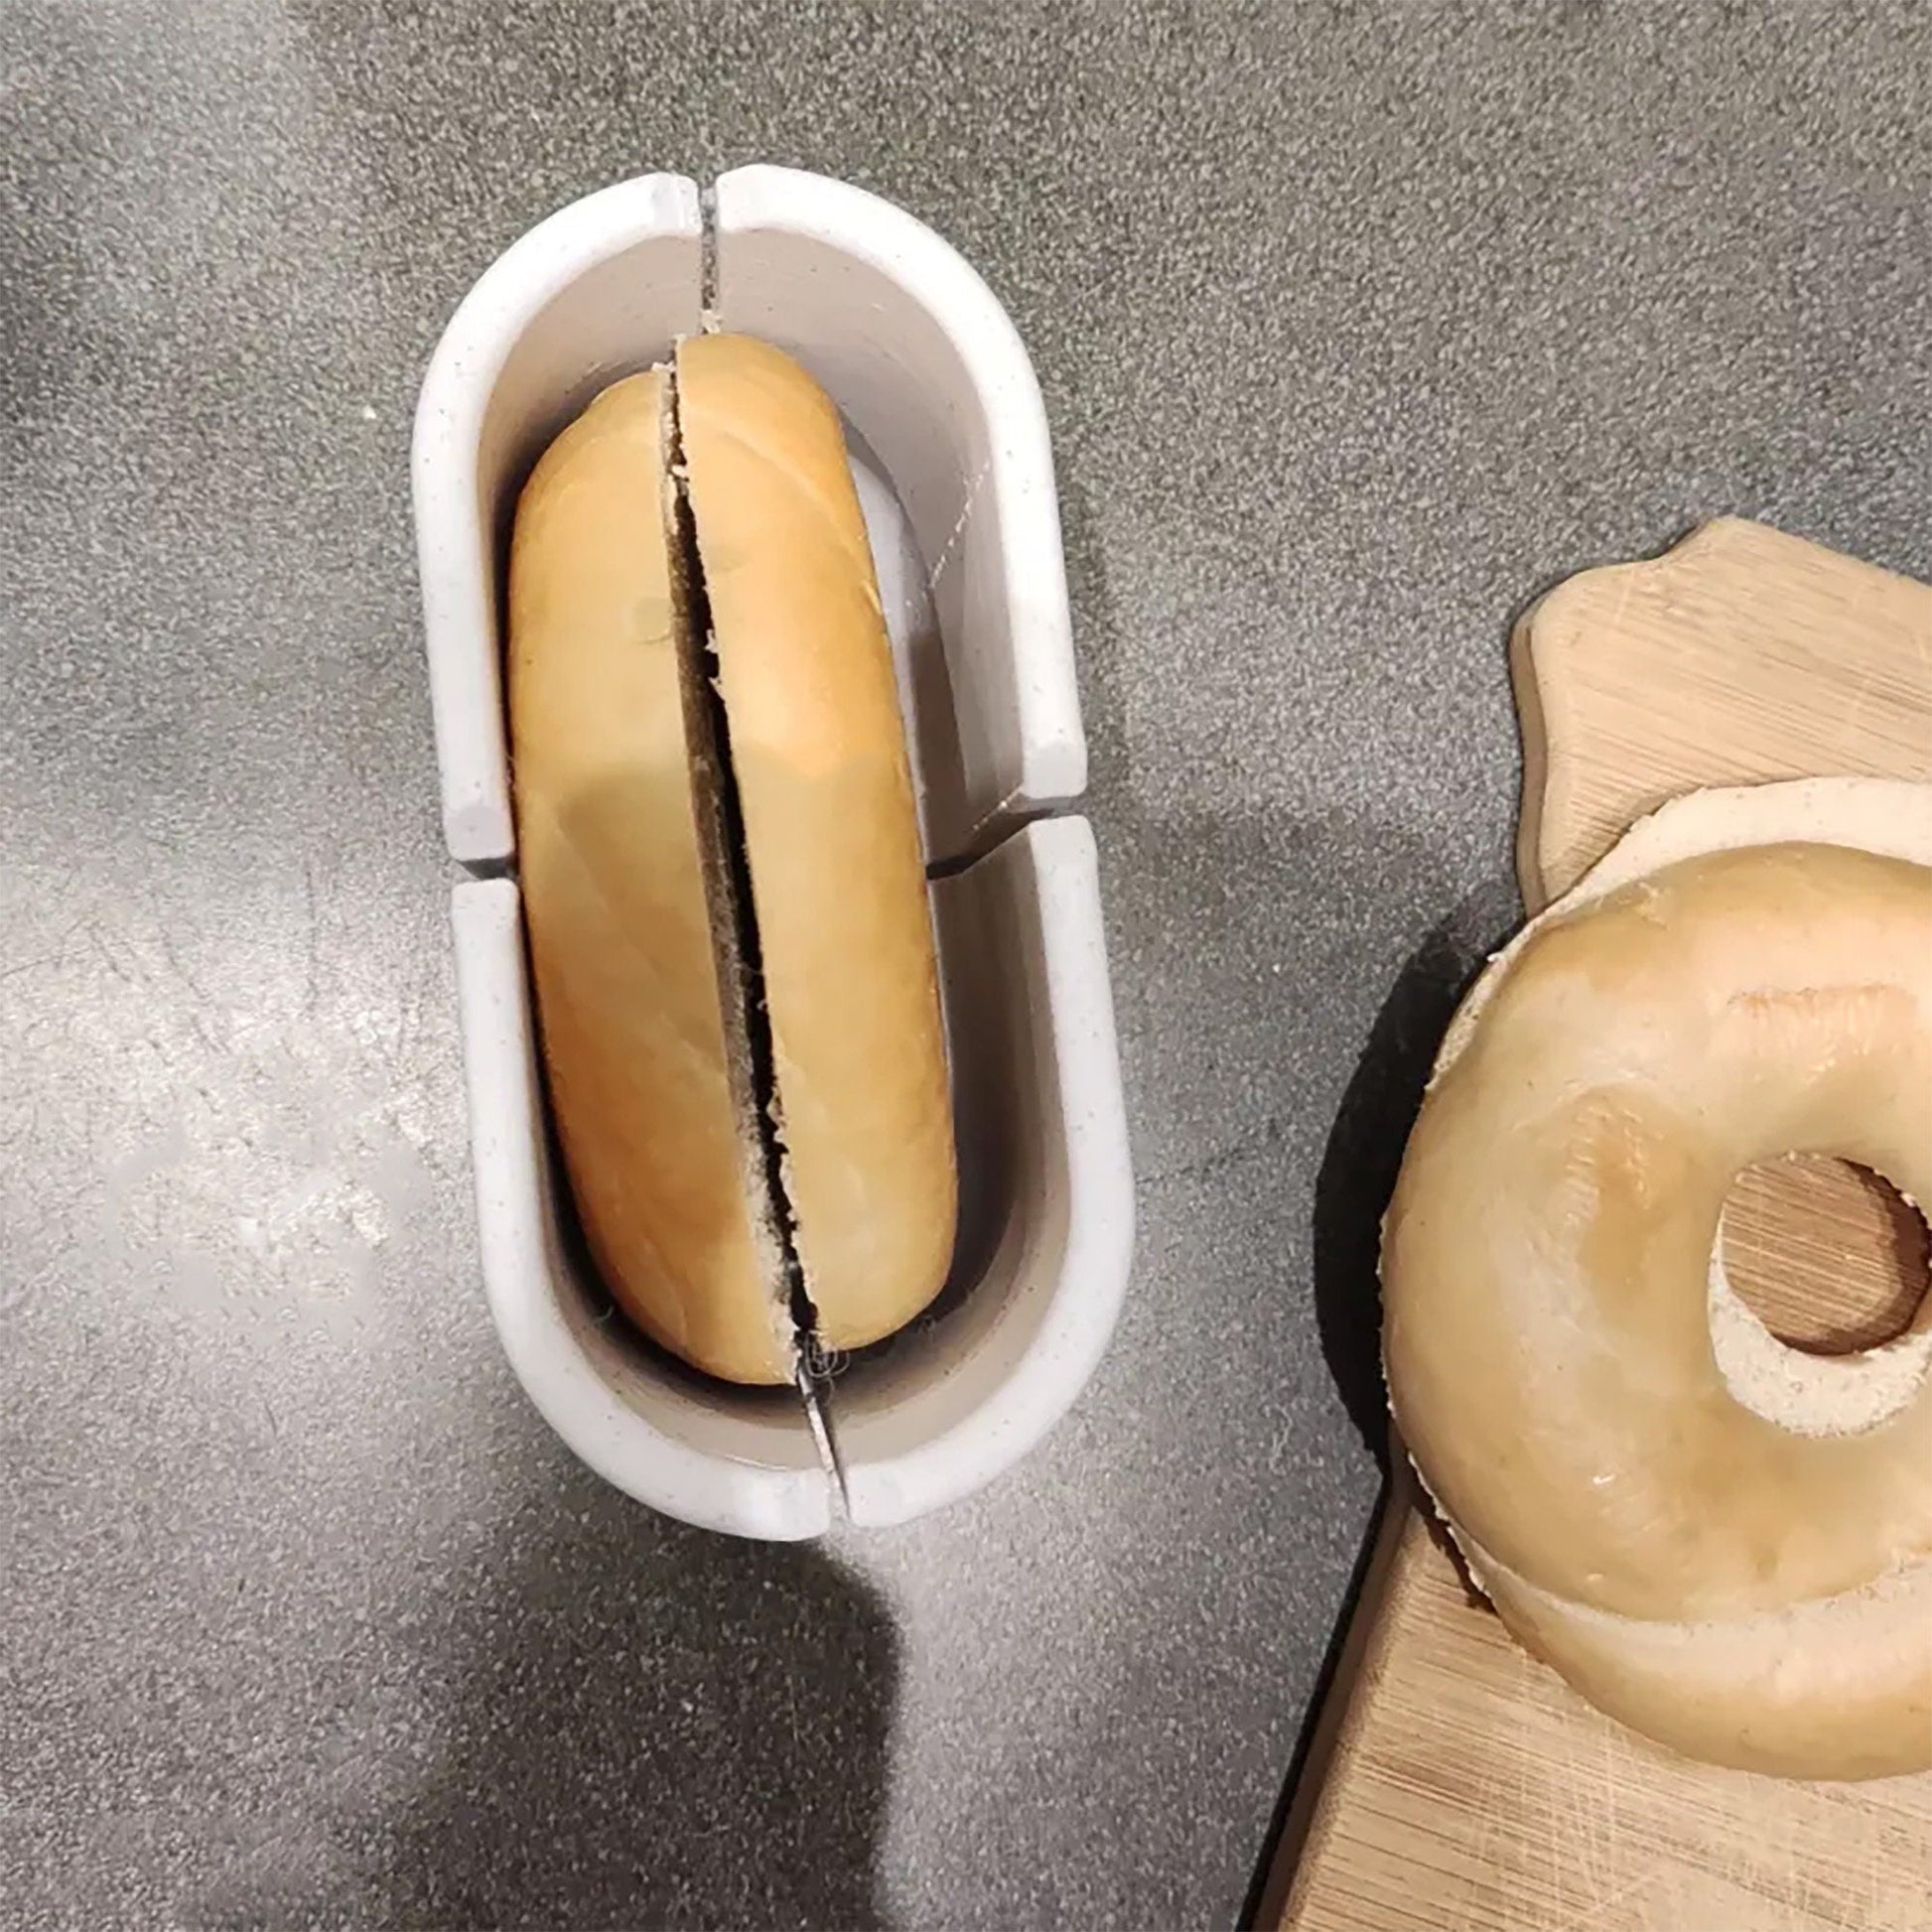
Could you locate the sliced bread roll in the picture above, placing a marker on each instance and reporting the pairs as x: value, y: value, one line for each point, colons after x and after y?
x: 647, y: 1068
x: 817, y: 745
x: 721, y: 872
x: 1719, y: 1540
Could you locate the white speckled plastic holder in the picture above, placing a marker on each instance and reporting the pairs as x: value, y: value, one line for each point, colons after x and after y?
x: 951, y: 458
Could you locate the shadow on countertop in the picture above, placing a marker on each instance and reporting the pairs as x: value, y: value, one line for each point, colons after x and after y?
x: 1327, y: 893
x: 1252, y: 878
x: 1364, y: 1151
x: 1357, y: 1176
x: 632, y: 1725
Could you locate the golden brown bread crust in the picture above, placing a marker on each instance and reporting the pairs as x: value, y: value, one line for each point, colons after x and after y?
x: 1735, y: 1587
x: 818, y: 749
x: 1550, y: 1238
x: 626, y: 881
x: 652, y: 1120
x: 1840, y: 1687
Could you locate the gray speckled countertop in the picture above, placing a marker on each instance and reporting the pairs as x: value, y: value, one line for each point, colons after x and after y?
x: 1358, y: 325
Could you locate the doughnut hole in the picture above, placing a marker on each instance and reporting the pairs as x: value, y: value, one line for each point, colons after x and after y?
x: 1830, y: 1257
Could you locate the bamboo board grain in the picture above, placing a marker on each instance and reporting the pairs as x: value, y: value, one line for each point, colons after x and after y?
x: 1452, y: 1784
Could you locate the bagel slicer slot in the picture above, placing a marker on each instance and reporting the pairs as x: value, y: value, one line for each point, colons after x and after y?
x: 953, y: 467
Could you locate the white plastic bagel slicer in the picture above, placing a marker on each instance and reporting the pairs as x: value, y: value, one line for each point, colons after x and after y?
x: 951, y: 457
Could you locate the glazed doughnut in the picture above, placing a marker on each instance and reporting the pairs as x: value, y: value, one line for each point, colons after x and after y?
x: 1720, y: 1541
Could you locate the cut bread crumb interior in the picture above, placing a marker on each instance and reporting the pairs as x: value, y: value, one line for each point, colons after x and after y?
x: 734, y: 922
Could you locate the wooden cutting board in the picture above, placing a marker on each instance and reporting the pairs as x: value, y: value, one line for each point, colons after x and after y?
x: 1452, y: 1784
